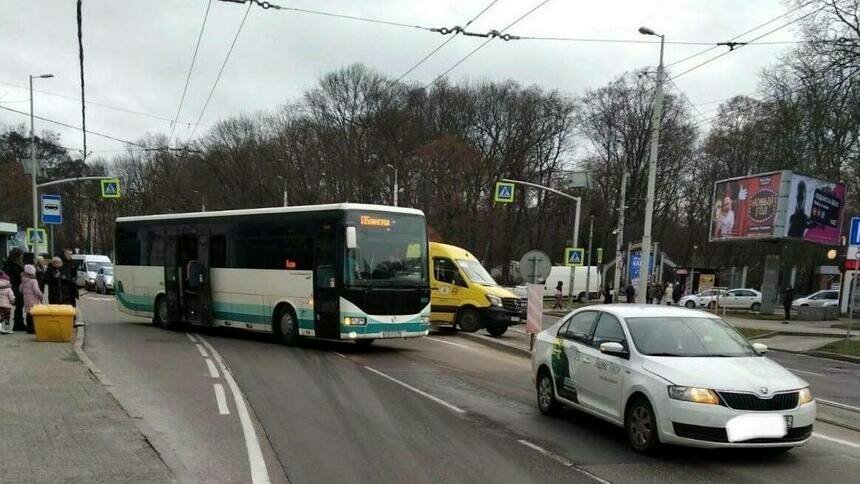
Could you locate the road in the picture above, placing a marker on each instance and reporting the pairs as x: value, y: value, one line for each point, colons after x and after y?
x: 438, y: 409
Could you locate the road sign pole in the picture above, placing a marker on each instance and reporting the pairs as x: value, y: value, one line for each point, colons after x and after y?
x: 588, y: 266
x: 851, y: 299
x: 51, y: 241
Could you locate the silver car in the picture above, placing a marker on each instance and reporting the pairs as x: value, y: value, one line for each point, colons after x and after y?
x: 104, y: 280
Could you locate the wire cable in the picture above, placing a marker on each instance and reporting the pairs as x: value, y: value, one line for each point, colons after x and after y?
x: 269, y: 5
x: 481, y: 46
x: 220, y: 72
x: 190, y: 70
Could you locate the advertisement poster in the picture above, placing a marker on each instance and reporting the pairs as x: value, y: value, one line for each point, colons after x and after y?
x: 814, y: 210
x: 745, y: 207
x: 706, y: 281
x: 635, y: 263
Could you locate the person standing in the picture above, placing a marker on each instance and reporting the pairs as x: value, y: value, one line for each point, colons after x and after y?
x: 667, y: 294
x: 7, y: 303
x: 787, y: 299
x: 54, y: 281
x: 630, y: 292
x: 31, y: 293
x: 70, y: 278
x: 14, y: 267
x: 650, y: 294
x: 658, y: 294
x: 41, y: 271
x: 607, y: 295
x: 559, y: 294
x: 676, y: 293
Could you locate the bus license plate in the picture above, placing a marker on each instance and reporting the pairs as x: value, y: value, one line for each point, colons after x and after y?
x: 515, y: 319
x: 391, y: 334
x: 789, y: 421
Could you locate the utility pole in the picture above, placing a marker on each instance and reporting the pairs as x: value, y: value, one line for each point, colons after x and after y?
x: 33, y: 164
x: 588, y: 268
x: 619, y: 240
x: 652, y: 172
x: 396, y: 188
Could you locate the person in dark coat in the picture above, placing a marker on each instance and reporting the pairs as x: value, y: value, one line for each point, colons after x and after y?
x: 787, y: 298
x: 70, y: 278
x: 676, y: 293
x: 55, y: 283
x: 13, y: 268
x: 630, y: 292
x: 607, y: 295
x: 41, y: 272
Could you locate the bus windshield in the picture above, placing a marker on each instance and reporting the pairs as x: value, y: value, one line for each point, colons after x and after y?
x: 391, y: 252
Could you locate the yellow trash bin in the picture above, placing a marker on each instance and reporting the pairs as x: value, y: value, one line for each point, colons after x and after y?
x: 53, y: 322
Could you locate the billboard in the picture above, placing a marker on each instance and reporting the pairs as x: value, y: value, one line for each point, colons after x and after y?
x: 777, y: 205
x: 745, y: 207
x: 814, y: 210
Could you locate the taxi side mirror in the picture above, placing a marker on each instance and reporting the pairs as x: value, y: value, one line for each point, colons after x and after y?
x: 760, y: 348
x: 613, y: 348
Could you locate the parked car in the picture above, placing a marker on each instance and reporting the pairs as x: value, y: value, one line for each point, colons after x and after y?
x: 739, y: 299
x: 670, y: 375
x: 701, y: 300
x: 827, y: 297
x: 104, y: 280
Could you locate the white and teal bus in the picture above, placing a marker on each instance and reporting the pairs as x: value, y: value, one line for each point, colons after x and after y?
x: 340, y: 271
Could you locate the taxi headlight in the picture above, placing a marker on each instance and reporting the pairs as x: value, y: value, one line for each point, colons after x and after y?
x: 494, y: 300
x: 696, y: 395
x: 805, y: 396
x: 354, y: 321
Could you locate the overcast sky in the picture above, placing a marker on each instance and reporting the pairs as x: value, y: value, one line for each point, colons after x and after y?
x: 137, y: 53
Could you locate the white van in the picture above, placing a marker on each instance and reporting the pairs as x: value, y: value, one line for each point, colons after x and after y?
x: 562, y: 273
x: 88, y: 266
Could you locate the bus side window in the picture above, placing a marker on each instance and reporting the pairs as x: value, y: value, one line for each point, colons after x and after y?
x: 218, y: 251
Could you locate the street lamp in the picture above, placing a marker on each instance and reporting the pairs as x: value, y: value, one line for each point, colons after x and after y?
x: 33, y: 158
x: 652, y: 170
x: 396, y: 188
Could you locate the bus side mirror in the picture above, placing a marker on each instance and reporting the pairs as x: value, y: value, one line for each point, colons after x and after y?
x: 351, y: 238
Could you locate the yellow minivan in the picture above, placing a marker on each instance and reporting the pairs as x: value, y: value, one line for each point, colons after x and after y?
x: 464, y: 294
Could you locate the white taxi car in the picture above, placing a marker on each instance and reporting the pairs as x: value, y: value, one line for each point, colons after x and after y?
x: 670, y: 375
x: 703, y: 299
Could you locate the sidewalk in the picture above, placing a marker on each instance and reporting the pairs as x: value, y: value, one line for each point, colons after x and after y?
x: 60, y: 425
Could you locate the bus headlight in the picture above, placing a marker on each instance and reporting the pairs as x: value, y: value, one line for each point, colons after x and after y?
x: 494, y: 300
x: 354, y: 321
x: 425, y: 319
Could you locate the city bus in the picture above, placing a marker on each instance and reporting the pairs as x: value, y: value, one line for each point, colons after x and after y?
x: 339, y: 272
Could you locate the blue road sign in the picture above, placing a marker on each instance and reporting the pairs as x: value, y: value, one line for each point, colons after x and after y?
x: 504, y: 192
x: 36, y: 237
x: 573, y: 256
x: 854, y: 234
x: 52, y: 210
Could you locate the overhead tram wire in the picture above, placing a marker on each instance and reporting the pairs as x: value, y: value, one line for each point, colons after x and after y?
x: 190, y: 70
x: 220, y: 72
x: 269, y: 5
x: 491, y: 36
x: 443, y: 44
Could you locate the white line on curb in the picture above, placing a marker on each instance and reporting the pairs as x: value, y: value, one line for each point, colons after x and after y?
x: 838, y: 441
x: 804, y: 371
x: 448, y: 342
x: 561, y: 460
x: 259, y: 473
x: 191, y: 337
x: 213, y: 372
x: 201, y: 350
x: 221, y: 398
x: 420, y: 392
x: 838, y: 405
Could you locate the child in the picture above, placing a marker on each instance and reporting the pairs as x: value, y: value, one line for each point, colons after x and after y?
x: 7, y: 303
x: 31, y: 293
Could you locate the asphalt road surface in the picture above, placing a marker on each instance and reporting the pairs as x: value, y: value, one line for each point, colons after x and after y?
x: 437, y: 409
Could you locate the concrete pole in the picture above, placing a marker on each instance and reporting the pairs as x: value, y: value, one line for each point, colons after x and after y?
x: 286, y: 200
x: 619, y: 238
x: 578, y: 201
x: 33, y: 167
x: 396, y: 188
x: 652, y: 178
x: 588, y: 267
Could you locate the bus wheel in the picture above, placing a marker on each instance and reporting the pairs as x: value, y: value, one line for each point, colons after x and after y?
x: 496, y: 330
x: 287, y: 326
x: 161, y: 316
x: 469, y: 320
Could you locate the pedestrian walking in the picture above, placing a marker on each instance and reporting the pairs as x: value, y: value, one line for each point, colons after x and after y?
x: 676, y: 293
x: 607, y: 295
x: 54, y: 281
x: 559, y: 295
x: 658, y: 294
x: 650, y: 294
x: 7, y: 304
x: 31, y: 293
x: 630, y: 292
x: 13, y: 268
x: 787, y: 299
x: 667, y: 294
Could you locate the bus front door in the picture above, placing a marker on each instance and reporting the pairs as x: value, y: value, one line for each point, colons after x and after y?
x: 198, y: 294
x: 173, y: 279
x: 326, y: 301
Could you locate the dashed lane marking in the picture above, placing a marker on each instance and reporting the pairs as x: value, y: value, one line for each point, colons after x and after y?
x: 221, y: 398
x: 201, y: 350
x: 561, y: 460
x: 448, y: 342
x: 259, y: 473
x: 416, y: 390
x: 213, y: 372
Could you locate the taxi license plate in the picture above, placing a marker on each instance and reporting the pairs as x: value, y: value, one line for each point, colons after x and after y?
x: 789, y: 421
x: 391, y: 334
x: 515, y: 319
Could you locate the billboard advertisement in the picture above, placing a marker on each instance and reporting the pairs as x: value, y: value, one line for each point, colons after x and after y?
x: 814, y: 210
x: 746, y: 207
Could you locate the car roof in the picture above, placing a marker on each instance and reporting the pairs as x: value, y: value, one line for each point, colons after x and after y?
x: 650, y: 311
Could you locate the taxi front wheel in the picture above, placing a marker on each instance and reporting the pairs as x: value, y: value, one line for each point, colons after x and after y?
x: 641, y: 426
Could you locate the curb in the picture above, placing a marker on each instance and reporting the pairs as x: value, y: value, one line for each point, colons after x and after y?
x: 498, y: 344
x: 822, y: 354
x: 161, y: 448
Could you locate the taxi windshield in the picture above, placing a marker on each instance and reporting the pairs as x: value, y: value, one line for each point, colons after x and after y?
x: 687, y: 336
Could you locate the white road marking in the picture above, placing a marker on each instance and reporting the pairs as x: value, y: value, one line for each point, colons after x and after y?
x: 191, y: 337
x: 213, y: 372
x: 838, y: 405
x: 259, y: 473
x: 201, y: 350
x: 339, y: 354
x: 838, y: 441
x: 448, y: 342
x: 221, y: 398
x: 804, y: 371
x: 561, y: 460
x: 420, y: 392
x: 101, y: 298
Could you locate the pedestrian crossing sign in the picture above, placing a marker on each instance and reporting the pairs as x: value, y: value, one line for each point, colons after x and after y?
x: 573, y: 256
x: 504, y: 192
x: 110, y: 188
x: 36, y: 237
